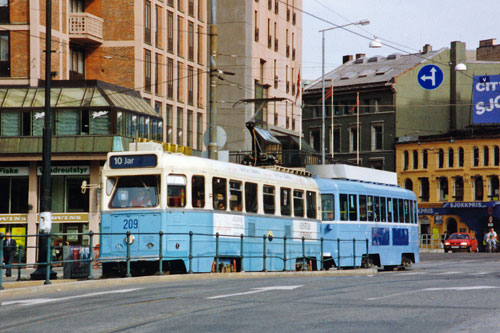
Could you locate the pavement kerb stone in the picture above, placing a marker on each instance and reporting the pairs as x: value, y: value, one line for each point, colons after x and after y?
x: 20, y: 288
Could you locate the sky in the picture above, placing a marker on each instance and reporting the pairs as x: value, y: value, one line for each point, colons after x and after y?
x: 406, y: 25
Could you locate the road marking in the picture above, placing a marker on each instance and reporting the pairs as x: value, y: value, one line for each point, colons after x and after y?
x: 34, y: 301
x: 480, y: 273
x: 434, y: 289
x: 257, y: 290
x: 449, y: 273
x: 414, y: 273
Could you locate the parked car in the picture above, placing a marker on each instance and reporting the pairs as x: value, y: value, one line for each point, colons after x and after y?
x: 461, y: 241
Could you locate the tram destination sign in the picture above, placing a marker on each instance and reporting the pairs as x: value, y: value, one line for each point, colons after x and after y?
x: 132, y: 161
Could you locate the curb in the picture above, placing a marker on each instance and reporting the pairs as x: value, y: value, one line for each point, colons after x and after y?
x: 13, y: 289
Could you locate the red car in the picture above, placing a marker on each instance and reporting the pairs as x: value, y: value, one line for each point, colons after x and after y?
x: 460, y: 241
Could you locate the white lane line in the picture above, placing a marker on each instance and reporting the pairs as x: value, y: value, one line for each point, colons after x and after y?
x: 257, y: 290
x: 413, y: 273
x: 434, y: 289
x: 449, y: 273
x: 480, y: 273
x: 34, y: 301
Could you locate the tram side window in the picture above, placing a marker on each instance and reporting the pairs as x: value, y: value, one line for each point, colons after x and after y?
x: 377, y: 209
x: 362, y: 208
x: 286, y: 201
x: 383, y: 207
x: 415, y: 212
x: 344, y: 207
x: 251, y: 197
x: 401, y: 210
x: 389, y: 209
x: 198, y: 191
x: 236, y: 197
x: 327, y: 207
x: 298, y: 203
x: 219, y: 188
x: 370, y: 208
x: 311, y: 204
x: 395, y: 209
x: 135, y: 191
x: 268, y: 199
x: 407, y: 211
x: 411, y: 211
x: 353, y: 207
x: 176, y: 190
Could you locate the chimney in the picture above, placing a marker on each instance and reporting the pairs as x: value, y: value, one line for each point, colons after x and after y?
x: 427, y: 48
x: 360, y: 55
x: 346, y: 58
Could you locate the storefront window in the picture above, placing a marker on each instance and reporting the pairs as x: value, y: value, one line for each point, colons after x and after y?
x: 14, y: 195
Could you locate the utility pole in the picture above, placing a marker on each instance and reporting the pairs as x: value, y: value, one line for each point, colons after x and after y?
x: 45, y: 223
x: 212, y: 147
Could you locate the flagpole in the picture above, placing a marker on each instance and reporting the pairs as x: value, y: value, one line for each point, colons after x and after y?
x: 357, y: 128
x: 333, y: 131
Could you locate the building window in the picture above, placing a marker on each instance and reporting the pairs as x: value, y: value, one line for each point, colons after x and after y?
x: 191, y: 8
x: 415, y: 160
x: 147, y: 22
x: 494, y: 188
x: 201, y: 38
x: 190, y: 129
x: 180, y: 126
x: 190, y: 85
x: 461, y: 157
x: 170, y: 32
x: 169, y: 121
x: 443, y: 189
x: 180, y: 37
x: 405, y: 160
x: 170, y: 78
x: 459, y: 189
x: 475, y: 157
x: 4, y: 54
x: 191, y: 41
x: 424, y: 189
x: 4, y: 11
x: 199, y: 131
x: 158, y: 27
x: 147, y: 71
x: 77, y: 64
x: 158, y: 90
x: 486, y: 156
x: 496, y: 156
x: 353, y: 139
x: 14, y: 195
x: 180, y: 82
x: 441, y: 158
x: 408, y: 184
x: 451, y: 157
x: 424, y: 159
x: 478, y: 188
x: 336, y: 140
x: 377, y: 137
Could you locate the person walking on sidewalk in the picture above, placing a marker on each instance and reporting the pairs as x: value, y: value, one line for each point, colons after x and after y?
x: 9, y: 251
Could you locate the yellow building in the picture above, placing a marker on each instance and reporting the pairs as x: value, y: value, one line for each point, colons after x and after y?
x: 455, y: 178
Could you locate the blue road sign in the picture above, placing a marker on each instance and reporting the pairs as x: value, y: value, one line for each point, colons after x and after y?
x: 430, y: 77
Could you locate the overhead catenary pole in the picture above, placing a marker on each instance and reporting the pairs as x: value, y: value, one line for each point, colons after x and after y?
x: 357, y: 128
x: 212, y: 147
x: 323, y: 95
x: 333, y: 131
x: 45, y: 222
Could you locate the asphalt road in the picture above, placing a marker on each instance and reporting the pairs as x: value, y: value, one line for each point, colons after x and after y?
x: 444, y: 293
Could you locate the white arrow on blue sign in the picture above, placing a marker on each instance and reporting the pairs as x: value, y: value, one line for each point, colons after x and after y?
x: 430, y: 77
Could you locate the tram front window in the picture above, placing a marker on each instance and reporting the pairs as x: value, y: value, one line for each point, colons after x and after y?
x: 135, y: 191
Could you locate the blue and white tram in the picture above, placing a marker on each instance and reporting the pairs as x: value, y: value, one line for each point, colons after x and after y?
x: 145, y: 192
x: 366, y: 204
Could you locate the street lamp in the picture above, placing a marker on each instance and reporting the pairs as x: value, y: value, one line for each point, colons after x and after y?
x: 362, y: 22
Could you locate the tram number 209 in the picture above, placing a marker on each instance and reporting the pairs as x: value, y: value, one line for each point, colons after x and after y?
x: 130, y: 224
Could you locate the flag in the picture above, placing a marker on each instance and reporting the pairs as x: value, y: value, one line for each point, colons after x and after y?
x: 355, y: 105
x: 298, y: 87
x: 328, y: 94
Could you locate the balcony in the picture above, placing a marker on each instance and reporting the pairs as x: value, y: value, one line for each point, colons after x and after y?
x: 85, y: 28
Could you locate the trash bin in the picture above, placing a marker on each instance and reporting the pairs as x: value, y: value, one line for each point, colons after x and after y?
x: 78, y: 269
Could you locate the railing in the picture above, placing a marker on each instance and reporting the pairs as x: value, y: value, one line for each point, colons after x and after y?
x: 431, y: 241
x: 86, y: 25
x: 303, y: 261
x: 287, y: 157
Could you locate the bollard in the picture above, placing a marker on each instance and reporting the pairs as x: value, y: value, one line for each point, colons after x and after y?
x: 190, y: 252
x: 91, y: 250
x: 241, y: 253
x: 264, y: 254
x: 1, y: 260
x: 354, y: 253
x: 338, y: 253
x: 19, y: 256
x: 160, y: 255
x: 127, y: 240
x: 284, y: 254
x: 49, y: 259
x: 321, y: 249
x: 303, y: 253
x: 217, y: 252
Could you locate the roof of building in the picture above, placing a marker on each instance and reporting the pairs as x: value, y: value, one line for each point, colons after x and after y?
x: 372, y: 70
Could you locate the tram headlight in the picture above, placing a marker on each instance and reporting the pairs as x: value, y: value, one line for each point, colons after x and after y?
x: 130, y: 239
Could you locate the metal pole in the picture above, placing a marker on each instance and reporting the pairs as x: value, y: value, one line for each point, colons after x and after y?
x: 190, y: 252
x: 19, y: 255
x: 338, y: 253
x: 1, y: 260
x: 357, y: 129
x: 354, y: 252
x: 303, y: 253
x: 333, y: 130
x: 48, y: 264
x: 323, y: 97
x: 91, y: 250
x: 321, y: 263
x: 128, y: 254
x: 160, y: 254
x: 264, y: 254
x: 241, y: 253
x: 217, y: 252
x: 284, y: 253
x: 45, y: 223
x: 212, y: 147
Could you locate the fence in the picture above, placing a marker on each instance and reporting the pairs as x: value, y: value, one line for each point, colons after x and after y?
x: 93, y: 259
x: 431, y: 241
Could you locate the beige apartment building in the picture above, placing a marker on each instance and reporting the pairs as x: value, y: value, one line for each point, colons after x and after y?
x: 121, y: 69
x: 260, y: 41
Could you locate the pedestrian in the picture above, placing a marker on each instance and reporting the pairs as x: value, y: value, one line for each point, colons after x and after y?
x: 9, y: 251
